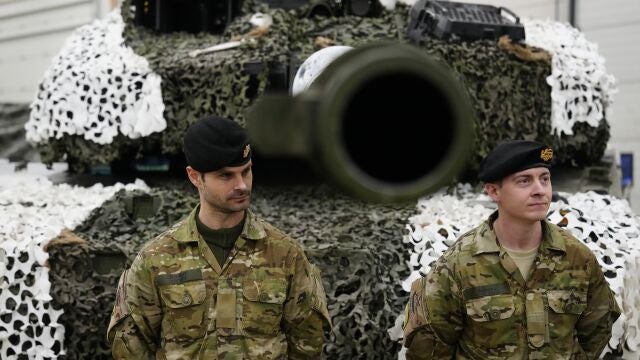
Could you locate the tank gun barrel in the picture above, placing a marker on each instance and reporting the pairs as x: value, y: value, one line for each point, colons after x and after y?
x: 385, y: 122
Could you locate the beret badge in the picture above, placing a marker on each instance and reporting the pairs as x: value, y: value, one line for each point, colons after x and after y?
x: 546, y: 154
x: 246, y: 151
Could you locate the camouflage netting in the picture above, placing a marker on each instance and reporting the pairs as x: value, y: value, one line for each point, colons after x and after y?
x: 511, y: 96
x: 97, y: 88
x: 581, y: 89
x: 33, y: 212
x: 357, y: 246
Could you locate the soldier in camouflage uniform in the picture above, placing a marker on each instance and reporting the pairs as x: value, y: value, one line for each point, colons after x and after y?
x: 221, y: 284
x: 515, y: 287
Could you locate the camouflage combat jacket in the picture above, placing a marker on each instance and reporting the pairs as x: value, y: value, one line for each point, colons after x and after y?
x: 177, y: 302
x: 475, y: 304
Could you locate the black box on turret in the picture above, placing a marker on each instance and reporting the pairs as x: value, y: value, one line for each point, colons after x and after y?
x: 448, y: 19
x: 186, y: 15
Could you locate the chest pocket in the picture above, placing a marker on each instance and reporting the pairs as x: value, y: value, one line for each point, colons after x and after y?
x: 263, y: 304
x: 486, y: 316
x: 185, y: 310
x: 566, y: 307
x: 490, y: 308
x: 567, y: 301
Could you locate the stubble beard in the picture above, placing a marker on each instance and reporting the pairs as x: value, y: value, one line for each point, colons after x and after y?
x: 542, y: 215
x: 230, y: 207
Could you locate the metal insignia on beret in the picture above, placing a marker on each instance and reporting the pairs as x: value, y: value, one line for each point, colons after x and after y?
x: 246, y: 150
x: 546, y: 154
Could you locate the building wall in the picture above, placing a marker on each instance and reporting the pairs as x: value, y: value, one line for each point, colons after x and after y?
x: 615, y: 26
x: 31, y: 34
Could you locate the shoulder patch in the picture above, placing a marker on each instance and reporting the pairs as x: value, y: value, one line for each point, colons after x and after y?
x: 415, y: 316
x: 319, y: 299
x: 120, y: 308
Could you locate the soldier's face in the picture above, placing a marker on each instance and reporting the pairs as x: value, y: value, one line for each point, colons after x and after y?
x: 525, y: 195
x: 227, y: 190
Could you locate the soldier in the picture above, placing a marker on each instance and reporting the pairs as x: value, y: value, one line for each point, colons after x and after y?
x: 222, y: 283
x: 517, y: 286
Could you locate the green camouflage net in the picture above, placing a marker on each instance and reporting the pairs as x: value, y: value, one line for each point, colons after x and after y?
x: 510, y: 96
x: 357, y: 246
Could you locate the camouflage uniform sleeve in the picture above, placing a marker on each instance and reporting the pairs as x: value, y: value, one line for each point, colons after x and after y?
x: 305, y: 311
x: 595, y: 322
x: 135, y: 321
x: 433, y: 319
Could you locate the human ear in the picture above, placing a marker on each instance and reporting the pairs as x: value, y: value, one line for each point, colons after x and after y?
x: 194, y: 176
x: 492, y: 190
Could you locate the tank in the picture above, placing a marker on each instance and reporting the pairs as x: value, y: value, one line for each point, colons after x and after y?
x: 338, y: 165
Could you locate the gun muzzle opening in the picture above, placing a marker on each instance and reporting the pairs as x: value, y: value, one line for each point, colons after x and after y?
x: 397, y: 128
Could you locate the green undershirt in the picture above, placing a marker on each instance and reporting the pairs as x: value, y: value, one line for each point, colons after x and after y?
x: 220, y: 241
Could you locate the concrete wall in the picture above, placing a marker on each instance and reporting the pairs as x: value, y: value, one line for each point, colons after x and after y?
x: 31, y: 34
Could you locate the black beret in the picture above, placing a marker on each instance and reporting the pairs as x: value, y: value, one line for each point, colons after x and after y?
x: 512, y: 156
x: 212, y: 143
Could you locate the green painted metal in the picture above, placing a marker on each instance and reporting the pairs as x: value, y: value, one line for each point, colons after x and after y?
x: 410, y: 137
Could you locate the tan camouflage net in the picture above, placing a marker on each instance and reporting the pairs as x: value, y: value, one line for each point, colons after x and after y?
x: 511, y: 96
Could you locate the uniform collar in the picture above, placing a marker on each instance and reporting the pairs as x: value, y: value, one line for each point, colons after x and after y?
x: 187, y: 231
x: 253, y: 228
x: 485, y: 240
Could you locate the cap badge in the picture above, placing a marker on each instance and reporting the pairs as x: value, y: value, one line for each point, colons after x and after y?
x: 246, y: 151
x: 546, y: 154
